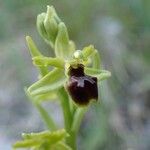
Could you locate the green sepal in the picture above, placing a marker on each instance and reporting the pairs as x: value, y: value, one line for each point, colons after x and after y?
x: 52, y: 9
x: 50, y: 82
x: 63, y: 47
x: 51, y: 13
x: 47, y: 96
x: 48, y: 61
x: 51, y: 95
x: 51, y: 30
x: 36, y: 53
x: 100, y: 74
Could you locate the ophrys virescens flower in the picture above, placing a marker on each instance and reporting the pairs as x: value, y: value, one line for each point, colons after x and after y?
x: 81, y: 80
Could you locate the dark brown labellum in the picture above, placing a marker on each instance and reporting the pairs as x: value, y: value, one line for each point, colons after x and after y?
x: 82, y: 88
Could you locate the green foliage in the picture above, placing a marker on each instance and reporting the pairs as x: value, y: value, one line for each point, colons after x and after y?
x: 45, y: 140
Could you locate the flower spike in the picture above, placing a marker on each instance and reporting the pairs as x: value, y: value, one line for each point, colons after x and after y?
x: 72, y: 76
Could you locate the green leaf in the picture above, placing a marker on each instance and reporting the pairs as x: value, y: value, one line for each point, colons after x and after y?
x: 100, y: 74
x: 50, y: 82
x: 47, y: 135
x: 45, y: 138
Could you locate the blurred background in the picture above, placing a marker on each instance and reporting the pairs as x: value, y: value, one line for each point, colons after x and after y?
x: 120, y: 30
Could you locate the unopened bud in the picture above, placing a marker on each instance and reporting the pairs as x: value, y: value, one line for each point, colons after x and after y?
x: 40, y: 25
x: 51, y: 25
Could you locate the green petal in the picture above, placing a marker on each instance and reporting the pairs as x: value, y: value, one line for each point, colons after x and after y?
x: 50, y: 82
x: 100, y: 74
x: 88, y: 51
x: 91, y: 56
x: 96, y: 60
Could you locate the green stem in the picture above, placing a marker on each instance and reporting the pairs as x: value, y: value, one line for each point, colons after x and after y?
x: 71, y: 140
x: 68, y: 116
x: 46, y: 117
x: 64, y: 99
x: 73, y: 107
x: 77, y: 119
x: 76, y: 122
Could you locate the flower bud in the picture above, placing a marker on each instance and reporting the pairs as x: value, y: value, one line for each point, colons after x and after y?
x: 50, y: 24
x: 47, y: 25
x: 82, y: 88
x: 40, y: 25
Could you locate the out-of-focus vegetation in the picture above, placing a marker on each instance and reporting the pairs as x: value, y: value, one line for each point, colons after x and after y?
x: 120, y: 30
